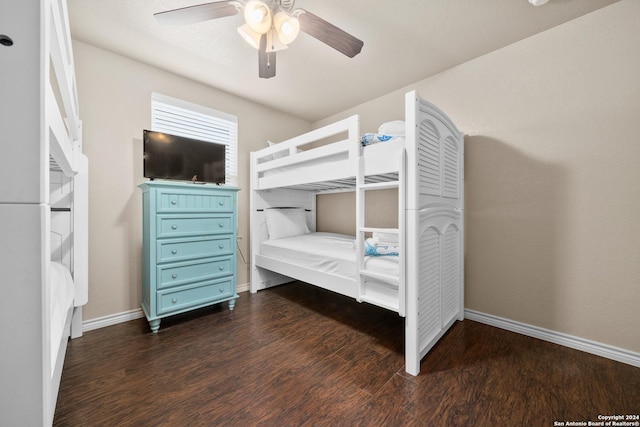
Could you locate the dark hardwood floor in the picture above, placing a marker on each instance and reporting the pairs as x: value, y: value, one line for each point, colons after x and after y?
x: 297, y: 355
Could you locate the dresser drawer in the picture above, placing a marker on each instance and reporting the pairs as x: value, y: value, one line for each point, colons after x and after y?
x: 191, y: 296
x: 192, y: 225
x: 176, y: 274
x: 184, y: 249
x: 193, y: 201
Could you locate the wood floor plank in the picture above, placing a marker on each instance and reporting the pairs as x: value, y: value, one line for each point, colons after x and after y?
x: 298, y: 355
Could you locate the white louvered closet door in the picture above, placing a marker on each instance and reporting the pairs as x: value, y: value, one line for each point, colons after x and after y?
x: 429, y: 293
x: 439, y: 202
x: 450, y: 168
x: 429, y: 159
x: 439, y: 166
x: 450, y: 273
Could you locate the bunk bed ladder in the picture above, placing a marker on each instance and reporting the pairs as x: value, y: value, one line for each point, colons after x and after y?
x: 362, y: 273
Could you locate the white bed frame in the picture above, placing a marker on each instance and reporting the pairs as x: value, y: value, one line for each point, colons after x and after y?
x: 43, y: 206
x: 429, y: 176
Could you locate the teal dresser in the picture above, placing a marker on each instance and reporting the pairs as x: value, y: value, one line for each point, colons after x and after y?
x: 188, y: 247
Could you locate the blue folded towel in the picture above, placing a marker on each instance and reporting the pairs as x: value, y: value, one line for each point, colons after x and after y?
x: 372, y: 138
x: 371, y: 248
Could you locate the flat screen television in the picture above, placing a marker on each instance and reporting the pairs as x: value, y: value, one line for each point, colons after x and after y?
x: 174, y: 157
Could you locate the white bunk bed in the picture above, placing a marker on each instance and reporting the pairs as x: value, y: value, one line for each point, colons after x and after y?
x: 68, y: 278
x: 425, y: 282
x: 44, y: 252
x: 68, y: 198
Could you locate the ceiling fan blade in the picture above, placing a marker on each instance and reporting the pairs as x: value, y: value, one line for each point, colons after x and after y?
x: 197, y: 13
x: 266, y: 60
x: 330, y: 34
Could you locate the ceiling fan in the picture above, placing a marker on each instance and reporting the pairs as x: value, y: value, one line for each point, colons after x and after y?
x: 270, y: 25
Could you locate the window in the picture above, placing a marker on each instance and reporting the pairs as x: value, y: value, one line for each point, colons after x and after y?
x: 182, y: 118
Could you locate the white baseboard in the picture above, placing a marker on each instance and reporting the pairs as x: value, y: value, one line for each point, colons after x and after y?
x: 599, y: 349
x: 242, y: 288
x: 114, y: 319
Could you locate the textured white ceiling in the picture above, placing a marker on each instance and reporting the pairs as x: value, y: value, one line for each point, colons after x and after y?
x: 404, y: 42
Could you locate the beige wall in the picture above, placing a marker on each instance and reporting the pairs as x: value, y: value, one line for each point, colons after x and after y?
x: 114, y: 96
x: 552, y: 128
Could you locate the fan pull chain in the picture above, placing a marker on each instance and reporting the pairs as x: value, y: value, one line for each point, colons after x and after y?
x: 270, y: 41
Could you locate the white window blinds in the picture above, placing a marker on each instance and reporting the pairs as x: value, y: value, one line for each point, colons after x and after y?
x: 182, y: 118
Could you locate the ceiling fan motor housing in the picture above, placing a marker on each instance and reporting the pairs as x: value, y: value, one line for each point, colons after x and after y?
x: 286, y: 5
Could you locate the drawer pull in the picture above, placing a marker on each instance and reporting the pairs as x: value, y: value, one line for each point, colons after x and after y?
x: 221, y: 224
x: 174, y: 227
x: 174, y: 251
x: 221, y: 290
x: 221, y: 268
x: 174, y: 202
x: 221, y: 246
x: 174, y: 300
x: 174, y: 276
x: 221, y: 202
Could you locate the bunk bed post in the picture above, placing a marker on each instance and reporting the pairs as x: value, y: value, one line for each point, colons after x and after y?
x: 355, y: 156
x: 412, y: 350
x: 254, y: 276
x: 80, y: 242
x: 360, y: 234
x: 402, y: 234
x: 312, y: 221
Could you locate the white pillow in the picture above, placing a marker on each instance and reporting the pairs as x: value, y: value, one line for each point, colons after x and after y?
x: 386, y: 238
x: 395, y: 127
x: 287, y: 222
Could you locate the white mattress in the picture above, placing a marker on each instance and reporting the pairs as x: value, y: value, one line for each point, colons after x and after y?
x: 61, y: 300
x: 327, y: 252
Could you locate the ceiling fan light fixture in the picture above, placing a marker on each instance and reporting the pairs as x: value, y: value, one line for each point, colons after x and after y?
x: 288, y: 27
x: 273, y: 42
x: 270, y: 25
x: 250, y: 36
x: 538, y: 2
x: 257, y: 15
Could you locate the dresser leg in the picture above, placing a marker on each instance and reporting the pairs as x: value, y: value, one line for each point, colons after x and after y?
x: 154, y: 325
x: 232, y: 304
